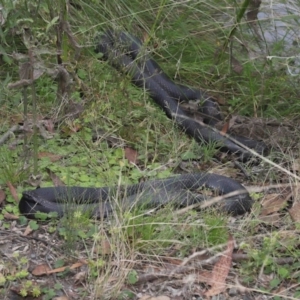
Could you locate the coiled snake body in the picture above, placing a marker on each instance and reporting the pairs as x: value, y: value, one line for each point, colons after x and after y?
x: 124, y: 52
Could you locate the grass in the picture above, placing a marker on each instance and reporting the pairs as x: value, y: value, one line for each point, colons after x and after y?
x: 197, y: 43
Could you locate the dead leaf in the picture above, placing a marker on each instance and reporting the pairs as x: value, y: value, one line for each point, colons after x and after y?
x: 145, y: 36
x: 53, y: 157
x: 252, y: 16
x: 274, y: 202
x: 61, y: 298
x: 131, y: 155
x: 232, y: 121
x: 44, y: 271
x: 204, y: 276
x: 73, y: 110
x: 219, y: 99
x: 2, y: 196
x: 80, y: 276
x: 71, y: 128
x: 74, y: 266
x: 13, y: 191
x: 8, y: 216
x: 41, y: 270
x: 138, y: 104
x: 271, y: 219
x: 55, y: 179
x: 221, y: 270
x: 49, y: 125
x: 253, y: 11
x: 225, y: 128
x: 236, y: 66
x: 295, y: 212
x: 105, y: 247
x: 26, y: 68
x: 173, y: 261
x: 27, y: 231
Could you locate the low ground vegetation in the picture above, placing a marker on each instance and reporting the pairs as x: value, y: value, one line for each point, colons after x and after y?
x: 94, y: 128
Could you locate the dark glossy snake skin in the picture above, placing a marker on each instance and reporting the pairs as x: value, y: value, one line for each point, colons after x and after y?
x: 124, y: 52
x: 100, y: 202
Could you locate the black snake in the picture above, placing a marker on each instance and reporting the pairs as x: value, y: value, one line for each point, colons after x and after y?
x: 123, y: 51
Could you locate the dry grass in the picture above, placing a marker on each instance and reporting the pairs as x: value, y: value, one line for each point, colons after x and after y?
x: 165, y: 252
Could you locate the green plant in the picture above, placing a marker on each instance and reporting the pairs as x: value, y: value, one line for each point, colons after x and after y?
x: 50, y: 293
x: 30, y: 288
x: 15, y: 270
x: 12, y: 168
x: 189, y: 40
x: 264, y: 260
x: 75, y: 226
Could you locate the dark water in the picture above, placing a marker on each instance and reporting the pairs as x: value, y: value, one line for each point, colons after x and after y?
x: 280, y: 23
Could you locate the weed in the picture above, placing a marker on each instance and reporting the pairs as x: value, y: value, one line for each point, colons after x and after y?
x: 12, y: 169
x: 196, y: 43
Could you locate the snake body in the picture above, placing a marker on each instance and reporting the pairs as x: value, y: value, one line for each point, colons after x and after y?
x: 100, y: 202
x: 124, y: 52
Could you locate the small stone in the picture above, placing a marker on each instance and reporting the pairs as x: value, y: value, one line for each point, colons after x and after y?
x: 232, y: 292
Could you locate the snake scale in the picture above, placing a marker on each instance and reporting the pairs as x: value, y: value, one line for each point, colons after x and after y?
x: 125, y: 52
